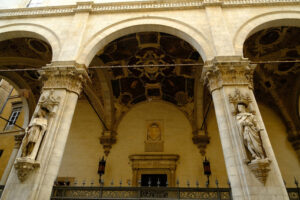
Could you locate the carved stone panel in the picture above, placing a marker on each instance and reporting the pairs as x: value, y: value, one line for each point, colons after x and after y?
x: 154, y: 136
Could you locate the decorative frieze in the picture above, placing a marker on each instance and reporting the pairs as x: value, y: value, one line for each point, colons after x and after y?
x: 135, y: 6
x: 66, y: 77
x: 219, y: 73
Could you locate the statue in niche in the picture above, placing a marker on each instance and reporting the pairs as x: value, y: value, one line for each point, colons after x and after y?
x: 250, y: 132
x: 34, y: 134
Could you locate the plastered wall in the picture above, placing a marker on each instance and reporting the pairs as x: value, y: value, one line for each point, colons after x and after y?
x: 285, y: 154
x: 83, y: 149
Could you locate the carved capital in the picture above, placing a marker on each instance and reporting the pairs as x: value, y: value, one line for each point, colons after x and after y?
x: 107, y: 139
x: 228, y: 71
x: 71, y: 77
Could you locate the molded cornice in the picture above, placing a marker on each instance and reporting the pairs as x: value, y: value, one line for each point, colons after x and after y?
x: 96, y: 8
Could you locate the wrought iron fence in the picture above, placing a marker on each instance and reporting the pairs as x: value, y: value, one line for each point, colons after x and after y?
x: 147, y: 193
x: 294, y: 193
x: 1, y: 190
x: 87, y: 193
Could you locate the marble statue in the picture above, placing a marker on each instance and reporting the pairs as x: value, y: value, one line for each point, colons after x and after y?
x: 34, y: 134
x: 250, y: 132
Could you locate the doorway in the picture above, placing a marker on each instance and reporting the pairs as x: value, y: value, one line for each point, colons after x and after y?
x: 153, y: 180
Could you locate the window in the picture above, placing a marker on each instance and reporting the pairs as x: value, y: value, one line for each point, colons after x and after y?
x: 16, y: 110
x: 1, y: 152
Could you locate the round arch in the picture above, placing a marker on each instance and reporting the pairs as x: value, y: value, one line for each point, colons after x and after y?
x: 115, y: 128
x: 260, y: 22
x: 103, y: 37
x: 34, y: 31
x: 18, y: 83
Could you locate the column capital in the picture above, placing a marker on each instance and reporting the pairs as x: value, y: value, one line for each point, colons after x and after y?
x: 64, y: 75
x: 228, y: 71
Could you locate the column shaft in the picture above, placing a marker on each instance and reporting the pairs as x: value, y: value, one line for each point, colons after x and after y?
x: 250, y: 161
x: 37, y: 165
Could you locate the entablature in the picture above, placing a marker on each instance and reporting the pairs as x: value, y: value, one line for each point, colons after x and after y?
x: 96, y: 8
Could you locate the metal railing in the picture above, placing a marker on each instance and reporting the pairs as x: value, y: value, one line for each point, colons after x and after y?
x: 87, y: 193
x: 146, y: 193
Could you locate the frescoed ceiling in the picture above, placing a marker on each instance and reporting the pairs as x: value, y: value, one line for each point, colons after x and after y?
x: 132, y: 85
x: 274, y: 80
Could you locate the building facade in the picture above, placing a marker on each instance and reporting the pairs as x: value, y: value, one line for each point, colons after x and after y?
x: 153, y: 87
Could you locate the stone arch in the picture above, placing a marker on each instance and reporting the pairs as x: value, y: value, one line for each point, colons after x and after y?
x: 144, y: 24
x: 115, y: 128
x: 11, y: 31
x: 263, y: 21
x: 18, y: 83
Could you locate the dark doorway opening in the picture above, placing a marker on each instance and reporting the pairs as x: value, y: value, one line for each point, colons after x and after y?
x: 153, y: 180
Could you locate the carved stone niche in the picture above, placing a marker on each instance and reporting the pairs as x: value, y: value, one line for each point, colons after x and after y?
x: 154, y: 164
x: 34, y: 134
x: 254, y: 153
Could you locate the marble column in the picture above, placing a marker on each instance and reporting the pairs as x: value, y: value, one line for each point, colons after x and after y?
x: 32, y: 177
x: 230, y: 82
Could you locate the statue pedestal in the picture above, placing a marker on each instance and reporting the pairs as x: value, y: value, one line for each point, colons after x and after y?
x: 260, y: 169
x: 24, y: 166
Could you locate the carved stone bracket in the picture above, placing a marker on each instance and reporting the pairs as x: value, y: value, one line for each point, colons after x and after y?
x: 260, y: 169
x: 107, y: 139
x: 223, y: 71
x: 24, y: 167
x: 295, y: 141
x: 201, y: 140
x: 71, y: 77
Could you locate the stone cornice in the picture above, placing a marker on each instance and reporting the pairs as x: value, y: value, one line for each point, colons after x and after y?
x: 69, y: 76
x: 228, y: 71
x: 96, y: 8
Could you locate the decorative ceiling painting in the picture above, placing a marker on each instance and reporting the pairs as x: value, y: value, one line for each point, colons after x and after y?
x: 169, y: 79
x: 19, y: 53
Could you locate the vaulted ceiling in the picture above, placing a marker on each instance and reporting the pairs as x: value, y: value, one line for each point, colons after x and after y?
x: 274, y: 79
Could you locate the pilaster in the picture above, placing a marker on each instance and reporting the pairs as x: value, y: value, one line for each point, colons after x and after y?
x: 39, y: 157
x: 250, y: 161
